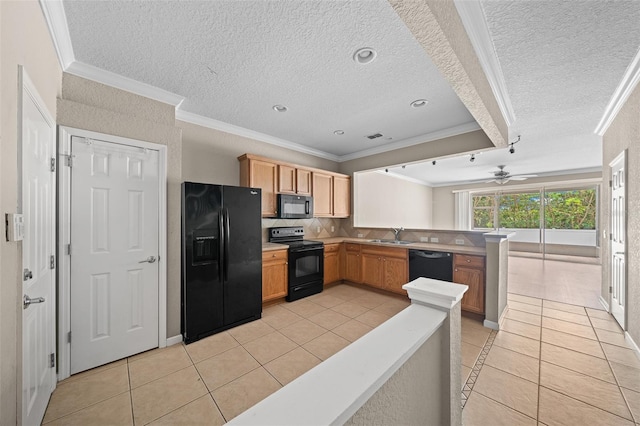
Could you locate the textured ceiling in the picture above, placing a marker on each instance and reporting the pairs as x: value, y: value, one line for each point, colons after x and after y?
x: 562, y: 62
x: 233, y: 61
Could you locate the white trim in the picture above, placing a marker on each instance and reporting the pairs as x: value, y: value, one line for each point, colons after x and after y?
x: 491, y: 324
x: 623, y: 91
x: 124, y: 83
x: 64, y: 238
x: 417, y: 140
x: 210, y: 123
x: 604, y: 303
x: 634, y: 345
x: 53, y: 11
x: 440, y: 294
x: 546, y: 185
x: 174, y: 340
x: 475, y: 24
x: 402, y: 177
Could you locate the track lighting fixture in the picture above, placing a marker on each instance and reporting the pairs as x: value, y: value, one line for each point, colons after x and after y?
x: 473, y: 158
x: 433, y: 162
x: 511, y: 148
x: 386, y: 170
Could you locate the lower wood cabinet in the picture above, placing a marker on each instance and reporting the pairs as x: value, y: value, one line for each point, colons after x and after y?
x: 386, y: 268
x: 352, y: 263
x: 470, y: 270
x: 331, y: 263
x: 274, y: 274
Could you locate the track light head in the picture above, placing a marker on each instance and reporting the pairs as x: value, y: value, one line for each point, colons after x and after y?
x: 511, y: 149
x: 386, y: 170
x: 473, y: 158
x: 433, y: 162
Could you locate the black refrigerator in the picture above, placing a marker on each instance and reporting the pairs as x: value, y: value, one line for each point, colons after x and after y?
x: 221, y: 258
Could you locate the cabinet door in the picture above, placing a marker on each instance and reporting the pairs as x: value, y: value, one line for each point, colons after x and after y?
x: 331, y: 267
x: 372, y: 270
x: 286, y: 179
x: 322, y: 195
x: 473, y: 299
x: 341, y: 196
x: 274, y: 275
x: 395, y: 274
x: 353, y: 267
x: 303, y: 182
x: 263, y: 175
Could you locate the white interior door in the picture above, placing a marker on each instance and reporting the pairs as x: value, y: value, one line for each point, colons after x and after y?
x: 38, y: 208
x: 618, y: 239
x: 114, y: 251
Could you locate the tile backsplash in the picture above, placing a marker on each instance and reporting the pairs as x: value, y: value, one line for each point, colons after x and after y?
x: 328, y: 227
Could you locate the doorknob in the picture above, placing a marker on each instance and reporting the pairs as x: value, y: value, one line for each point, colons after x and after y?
x: 26, y: 301
x: 27, y: 275
x: 150, y: 259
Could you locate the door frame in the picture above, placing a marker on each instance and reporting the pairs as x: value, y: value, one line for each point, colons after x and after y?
x: 64, y: 237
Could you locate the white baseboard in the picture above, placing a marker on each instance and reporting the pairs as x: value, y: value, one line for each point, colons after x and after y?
x: 604, y: 303
x: 492, y: 325
x: 174, y: 340
x: 634, y: 345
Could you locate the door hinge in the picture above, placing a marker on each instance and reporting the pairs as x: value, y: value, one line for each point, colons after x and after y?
x: 52, y: 360
x: 69, y: 161
x: 53, y: 164
x: 69, y: 337
x: 52, y: 262
x: 610, y: 184
x: 69, y: 249
x: 610, y: 289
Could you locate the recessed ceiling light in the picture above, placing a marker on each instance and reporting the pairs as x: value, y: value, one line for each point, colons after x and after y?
x: 280, y: 108
x: 339, y: 132
x: 419, y: 103
x: 366, y: 55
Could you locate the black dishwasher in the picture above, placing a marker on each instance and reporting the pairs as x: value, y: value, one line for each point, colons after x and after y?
x: 430, y: 264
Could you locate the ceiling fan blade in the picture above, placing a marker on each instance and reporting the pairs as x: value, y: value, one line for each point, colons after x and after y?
x: 518, y: 177
x: 525, y: 176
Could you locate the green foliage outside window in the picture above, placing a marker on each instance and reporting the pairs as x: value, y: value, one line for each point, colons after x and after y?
x: 575, y: 209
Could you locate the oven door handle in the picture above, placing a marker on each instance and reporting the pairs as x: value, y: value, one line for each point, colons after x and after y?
x: 306, y: 249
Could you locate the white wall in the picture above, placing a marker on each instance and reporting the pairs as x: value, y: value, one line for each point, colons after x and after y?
x: 384, y: 201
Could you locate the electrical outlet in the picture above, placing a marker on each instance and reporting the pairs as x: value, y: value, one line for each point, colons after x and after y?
x: 424, y: 239
x: 318, y: 229
x: 460, y: 242
x: 434, y: 239
x: 333, y: 228
x: 360, y: 235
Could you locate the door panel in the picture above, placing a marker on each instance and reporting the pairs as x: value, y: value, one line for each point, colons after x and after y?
x: 618, y: 237
x: 38, y: 207
x: 114, y: 251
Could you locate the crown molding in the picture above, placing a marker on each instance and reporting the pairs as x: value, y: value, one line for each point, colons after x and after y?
x: 623, y: 91
x: 53, y: 11
x: 210, y: 123
x: 417, y: 140
x: 124, y: 83
x: 475, y: 23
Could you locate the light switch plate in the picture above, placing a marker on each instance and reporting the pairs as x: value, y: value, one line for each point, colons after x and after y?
x: 424, y: 239
x: 333, y: 228
x: 360, y: 235
x: 434, y: 239
x: 460, y: 242
x: 15, y: 226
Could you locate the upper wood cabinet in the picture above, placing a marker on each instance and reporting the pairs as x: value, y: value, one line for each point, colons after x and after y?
x: 256, y: 173
x: 331, y: 191
x: 293, y: 180
x: 322, y: 194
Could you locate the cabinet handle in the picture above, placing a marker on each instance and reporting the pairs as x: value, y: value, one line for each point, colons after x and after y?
x: 455, y: 270
x: 273, y: 255
x: 468, y: 260
x: 286, y: 263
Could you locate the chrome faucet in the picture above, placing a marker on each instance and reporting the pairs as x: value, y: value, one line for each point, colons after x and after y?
x: 396, y: 232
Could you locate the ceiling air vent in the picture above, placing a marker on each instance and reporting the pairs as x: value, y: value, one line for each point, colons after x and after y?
x: 375, y: 136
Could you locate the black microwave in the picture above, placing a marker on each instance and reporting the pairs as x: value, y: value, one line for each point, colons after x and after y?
x: 295, y: 206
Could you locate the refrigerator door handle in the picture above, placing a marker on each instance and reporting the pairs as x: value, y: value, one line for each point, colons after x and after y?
x: 222, y: 256
x: 226, y: 244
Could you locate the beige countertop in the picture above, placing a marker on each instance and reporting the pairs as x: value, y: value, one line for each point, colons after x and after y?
x: 417, y: 245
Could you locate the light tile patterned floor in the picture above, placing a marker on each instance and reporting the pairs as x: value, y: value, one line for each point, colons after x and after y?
x: 554, y: 364
x: 215, y: 379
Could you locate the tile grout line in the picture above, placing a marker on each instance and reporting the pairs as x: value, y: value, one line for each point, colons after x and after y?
x: 539, y: 365
x: 133, y: 413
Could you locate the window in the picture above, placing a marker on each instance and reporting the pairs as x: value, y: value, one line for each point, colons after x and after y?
x: 484, y: 211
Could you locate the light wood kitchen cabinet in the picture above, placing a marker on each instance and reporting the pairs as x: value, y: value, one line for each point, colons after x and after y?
x: 386, y: 268
x: 274, y: 274
x: 470, y: 270
x: 331, y: 263
x: 293, y: 180
x: 341, y: 196
x: 352, y: 263
x: 256, y: 173
x: 322, y: 194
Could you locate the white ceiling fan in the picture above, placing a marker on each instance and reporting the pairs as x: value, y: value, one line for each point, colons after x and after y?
x: 502, y: 176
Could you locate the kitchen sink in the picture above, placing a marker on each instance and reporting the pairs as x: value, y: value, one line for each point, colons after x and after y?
x: 391, y: 242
